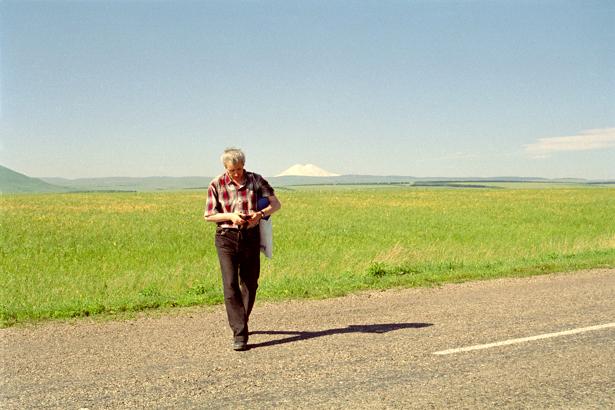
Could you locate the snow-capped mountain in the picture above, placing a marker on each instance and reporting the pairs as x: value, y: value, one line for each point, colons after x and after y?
x: 307, y: 170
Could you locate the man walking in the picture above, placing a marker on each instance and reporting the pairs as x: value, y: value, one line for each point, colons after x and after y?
x: 232, y: 204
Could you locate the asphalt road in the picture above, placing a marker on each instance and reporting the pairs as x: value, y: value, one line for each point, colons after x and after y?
x: 373, y: 350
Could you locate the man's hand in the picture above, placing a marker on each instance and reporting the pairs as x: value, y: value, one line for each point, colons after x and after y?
x: 254, y: 219
x: 237, y: 219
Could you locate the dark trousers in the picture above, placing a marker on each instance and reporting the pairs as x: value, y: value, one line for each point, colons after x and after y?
x: 239, y: 255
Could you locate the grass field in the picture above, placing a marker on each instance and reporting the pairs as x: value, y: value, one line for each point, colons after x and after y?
x: 66, y: 255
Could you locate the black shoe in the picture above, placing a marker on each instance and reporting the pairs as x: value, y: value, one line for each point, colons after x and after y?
x: 240, y: 346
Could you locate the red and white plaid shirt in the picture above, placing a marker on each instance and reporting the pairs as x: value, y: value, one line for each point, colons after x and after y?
x: 226, y: 196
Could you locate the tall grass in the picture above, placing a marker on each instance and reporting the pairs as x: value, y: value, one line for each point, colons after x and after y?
x: 65, y: 255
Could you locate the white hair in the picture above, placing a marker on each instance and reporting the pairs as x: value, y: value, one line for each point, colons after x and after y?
x: 234, y: 156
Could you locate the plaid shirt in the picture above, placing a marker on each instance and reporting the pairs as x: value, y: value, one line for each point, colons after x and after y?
x: 225, y: 196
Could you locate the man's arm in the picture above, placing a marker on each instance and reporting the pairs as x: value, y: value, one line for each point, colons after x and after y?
x: 274, y: 205
x: 234, y: 217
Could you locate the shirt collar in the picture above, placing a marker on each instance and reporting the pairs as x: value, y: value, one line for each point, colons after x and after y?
x: 229, y: 181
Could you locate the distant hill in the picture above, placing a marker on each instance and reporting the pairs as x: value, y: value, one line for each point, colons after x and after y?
x: 14, y: 182
x: 291, y: 180
x: 395, y: 179
x: 132, y: 184
x: 178, y: 183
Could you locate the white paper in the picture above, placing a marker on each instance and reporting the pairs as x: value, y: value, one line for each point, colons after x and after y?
x: 266, y: 231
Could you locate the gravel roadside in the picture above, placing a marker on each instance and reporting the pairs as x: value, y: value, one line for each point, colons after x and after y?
x: 372, y: 349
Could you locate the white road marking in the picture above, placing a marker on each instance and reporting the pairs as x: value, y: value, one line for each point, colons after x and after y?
x: 526, y: 339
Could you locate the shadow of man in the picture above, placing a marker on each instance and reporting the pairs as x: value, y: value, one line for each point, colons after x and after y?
x: 298, y: 335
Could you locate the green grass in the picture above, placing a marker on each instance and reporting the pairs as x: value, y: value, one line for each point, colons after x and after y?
x: 68, y: 255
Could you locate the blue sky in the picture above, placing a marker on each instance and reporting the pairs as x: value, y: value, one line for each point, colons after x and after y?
x: 422, y: 88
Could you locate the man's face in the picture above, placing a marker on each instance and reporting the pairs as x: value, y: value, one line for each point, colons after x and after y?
x: 235, y: 171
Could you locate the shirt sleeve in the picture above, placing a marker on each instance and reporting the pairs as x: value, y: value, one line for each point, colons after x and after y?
x: 265, y: 190
x: 211, y: 204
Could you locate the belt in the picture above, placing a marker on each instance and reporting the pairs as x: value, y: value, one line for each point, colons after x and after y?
x: 235, y: 228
